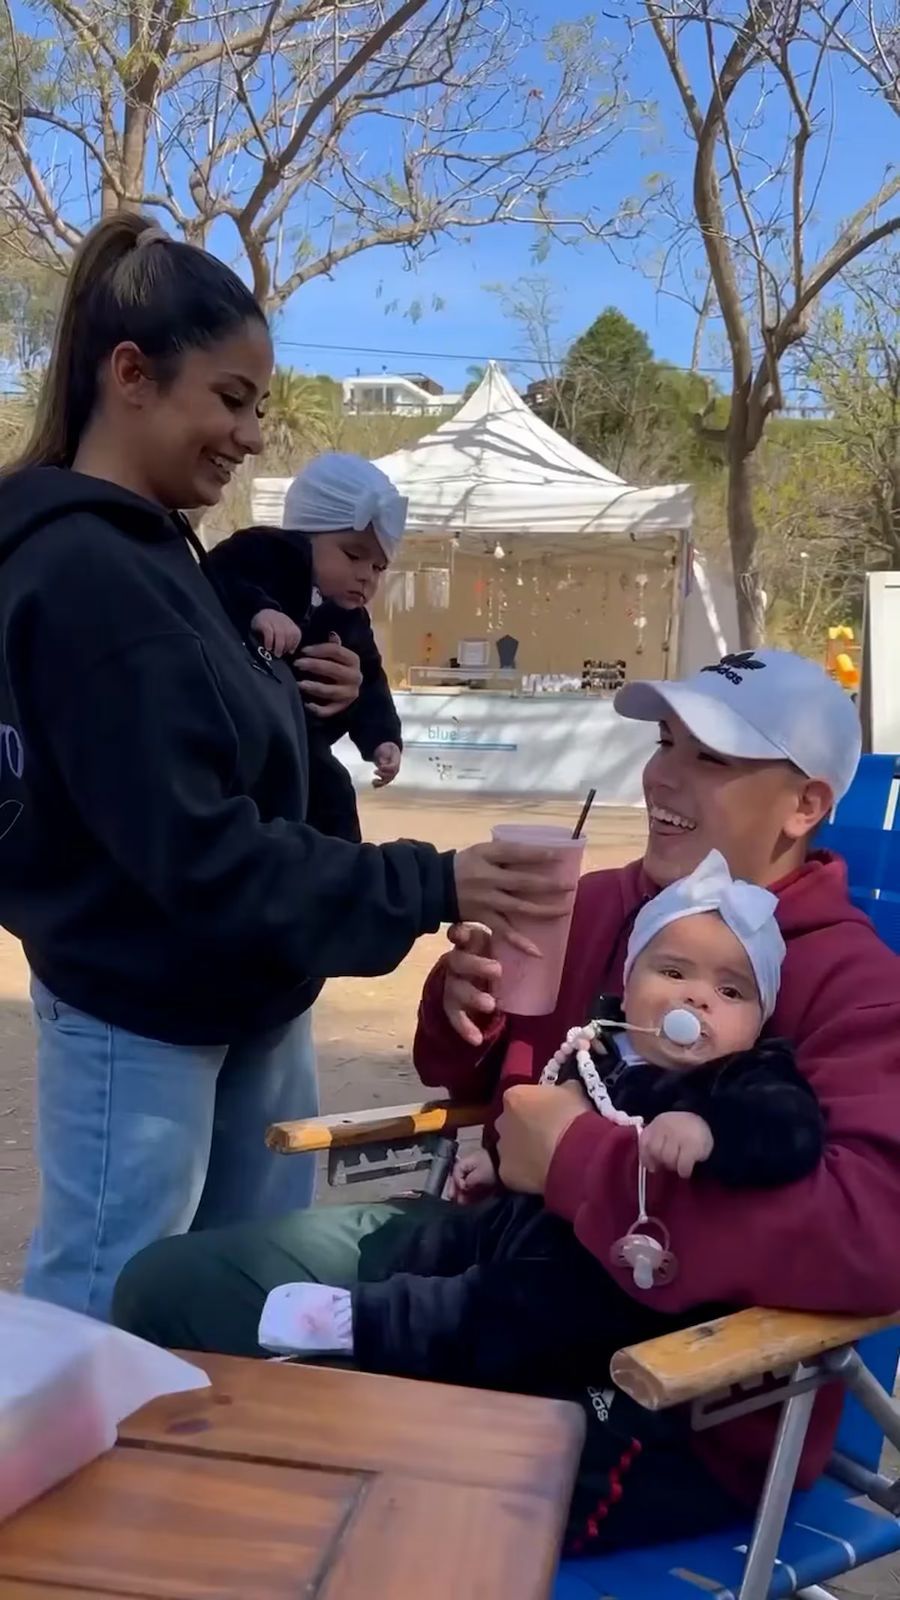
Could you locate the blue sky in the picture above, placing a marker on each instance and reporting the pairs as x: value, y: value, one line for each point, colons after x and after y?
x: 346, y: 317
x: 470, y: 327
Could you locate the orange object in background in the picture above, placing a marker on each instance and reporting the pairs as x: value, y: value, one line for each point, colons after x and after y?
x: 846, y: 671
x: 842, y: 655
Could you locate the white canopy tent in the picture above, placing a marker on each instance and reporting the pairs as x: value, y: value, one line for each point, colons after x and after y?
x: 496, y: 472
x: 580, y: 557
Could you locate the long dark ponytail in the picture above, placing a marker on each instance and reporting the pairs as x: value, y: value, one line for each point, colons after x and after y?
x: 129, y: 281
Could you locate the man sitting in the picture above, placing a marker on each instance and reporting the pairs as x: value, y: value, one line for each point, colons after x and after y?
x: 753, y: 753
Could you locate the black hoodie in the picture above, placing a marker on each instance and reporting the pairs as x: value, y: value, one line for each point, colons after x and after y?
x: 153, y: 855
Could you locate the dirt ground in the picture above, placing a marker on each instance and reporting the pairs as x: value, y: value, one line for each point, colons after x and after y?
x: 364, y: 1030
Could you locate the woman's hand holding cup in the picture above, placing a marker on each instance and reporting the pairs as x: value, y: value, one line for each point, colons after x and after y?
x: 502, y: 884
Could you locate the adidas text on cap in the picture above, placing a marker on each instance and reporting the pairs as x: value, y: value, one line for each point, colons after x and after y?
x: 760, y: 705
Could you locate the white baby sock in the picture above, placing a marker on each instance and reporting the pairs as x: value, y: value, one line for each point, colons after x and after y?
x: 307, y: 1319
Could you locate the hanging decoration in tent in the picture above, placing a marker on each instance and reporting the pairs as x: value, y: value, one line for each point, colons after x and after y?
x: 399, y: 591
x: 640, y: 620
x: 393, y: 585
x: 502, y: 600
x: 437, y: 588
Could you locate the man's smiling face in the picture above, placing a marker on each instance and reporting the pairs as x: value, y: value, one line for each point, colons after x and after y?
x: 758, y: 813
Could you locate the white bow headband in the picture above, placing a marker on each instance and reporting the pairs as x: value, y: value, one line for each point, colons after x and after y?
x: 338, y: 491
x: 385, y: 511
x: 745, y: 908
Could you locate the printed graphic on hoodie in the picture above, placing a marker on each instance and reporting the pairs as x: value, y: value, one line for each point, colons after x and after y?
x: 12, y: 765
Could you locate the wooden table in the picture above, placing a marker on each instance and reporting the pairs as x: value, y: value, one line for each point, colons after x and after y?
x: 308, y: 1483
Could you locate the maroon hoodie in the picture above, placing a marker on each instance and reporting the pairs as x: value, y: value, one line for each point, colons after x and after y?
x: 828, y: 1243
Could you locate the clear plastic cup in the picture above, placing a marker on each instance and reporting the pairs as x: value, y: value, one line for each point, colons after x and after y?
x: 529, y: 986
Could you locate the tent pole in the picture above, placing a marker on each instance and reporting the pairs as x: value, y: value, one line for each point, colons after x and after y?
x: 679, y: 576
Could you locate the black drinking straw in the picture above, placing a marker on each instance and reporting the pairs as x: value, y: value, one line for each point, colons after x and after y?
x: 591, y: 797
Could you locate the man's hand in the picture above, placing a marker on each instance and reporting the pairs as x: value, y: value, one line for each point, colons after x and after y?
x: 276, y: 632
x: 470, y: 983
x: 676, y: 1141
x: 533, y: 1120
x: 336, y: 677
x: 387, y: 765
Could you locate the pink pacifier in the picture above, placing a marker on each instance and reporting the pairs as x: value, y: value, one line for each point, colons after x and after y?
x: 651, y: 1261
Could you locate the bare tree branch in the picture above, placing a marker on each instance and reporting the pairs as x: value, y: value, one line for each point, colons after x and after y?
x: 314, y: 130
x: 272, y: 172
x: 753, y: 235
x: 41, y: 194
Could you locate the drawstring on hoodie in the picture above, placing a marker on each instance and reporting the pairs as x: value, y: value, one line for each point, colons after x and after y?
x: 195, y: 543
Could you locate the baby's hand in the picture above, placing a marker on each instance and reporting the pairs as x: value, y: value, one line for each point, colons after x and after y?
x: 472, y: 1176
x: 676, y: 1141
x: 277, y: 632
x: 387, y: 765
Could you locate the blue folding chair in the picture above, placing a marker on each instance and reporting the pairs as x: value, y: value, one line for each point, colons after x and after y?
x: 797, y: 1541
x: 865, y: 830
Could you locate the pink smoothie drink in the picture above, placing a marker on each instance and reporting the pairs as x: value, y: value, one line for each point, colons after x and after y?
x: 529, y: 986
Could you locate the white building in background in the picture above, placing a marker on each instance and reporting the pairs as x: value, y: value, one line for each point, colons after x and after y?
x: 403, y: 393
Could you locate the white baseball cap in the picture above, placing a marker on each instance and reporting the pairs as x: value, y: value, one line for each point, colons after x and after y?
x: 761, y: 705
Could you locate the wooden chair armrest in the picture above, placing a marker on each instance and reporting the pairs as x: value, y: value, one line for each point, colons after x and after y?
x: 380, y: 1124
x: 738, y: 1349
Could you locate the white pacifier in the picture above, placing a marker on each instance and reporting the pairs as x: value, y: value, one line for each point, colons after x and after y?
x: 678, y: 1026
x: 681, y: 1027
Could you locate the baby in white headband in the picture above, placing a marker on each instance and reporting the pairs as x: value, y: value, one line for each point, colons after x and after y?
x: 702, y: 972
x: 729, y: 1104
x: 708, y: 944
x: 302, y: 592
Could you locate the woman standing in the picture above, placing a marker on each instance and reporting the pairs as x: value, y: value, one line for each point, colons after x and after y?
x: 176, y: 912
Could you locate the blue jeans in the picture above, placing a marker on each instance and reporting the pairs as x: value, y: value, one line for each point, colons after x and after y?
x: 138, y: 1140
